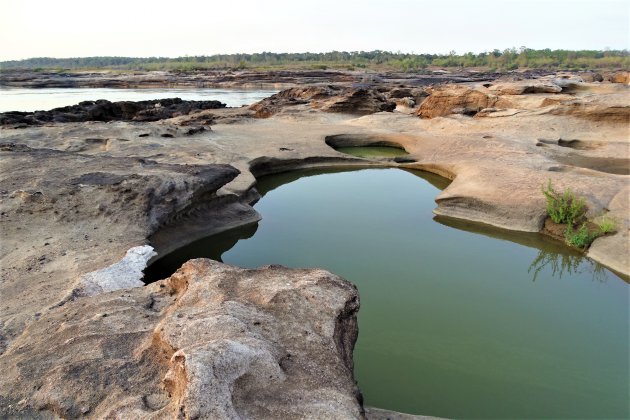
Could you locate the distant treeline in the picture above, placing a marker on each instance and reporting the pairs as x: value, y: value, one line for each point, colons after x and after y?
x: 509, y: 59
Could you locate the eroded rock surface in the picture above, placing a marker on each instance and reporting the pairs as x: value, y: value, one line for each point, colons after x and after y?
x: 455, y: 99
x: 76, y: 196
x: 66, y: 214
x: 525, y: 86
x: 357, y: 101
x: 212, y: 341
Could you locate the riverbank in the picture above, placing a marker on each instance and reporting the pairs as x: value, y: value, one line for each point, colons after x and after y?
x: 76, y: 196
x: 276, y: 79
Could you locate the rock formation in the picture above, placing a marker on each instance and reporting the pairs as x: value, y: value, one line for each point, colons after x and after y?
x: 103, y: 110
x: 78, y: 338
x: 455, y: 99
x: 525, y: 86
x: 357, y: 101
x: 212, y: 341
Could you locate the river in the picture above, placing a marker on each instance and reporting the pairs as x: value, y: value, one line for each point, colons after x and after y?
x: 19, y: 99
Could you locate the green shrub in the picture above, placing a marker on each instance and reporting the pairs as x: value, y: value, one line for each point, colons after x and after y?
x: 579, y: 238
x: 606, y: 224
x: 564, y: 207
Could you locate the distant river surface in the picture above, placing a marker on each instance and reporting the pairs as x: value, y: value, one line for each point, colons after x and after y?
x: 20, y: 99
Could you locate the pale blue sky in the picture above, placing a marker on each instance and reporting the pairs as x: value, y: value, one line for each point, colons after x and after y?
x: 75, y: 28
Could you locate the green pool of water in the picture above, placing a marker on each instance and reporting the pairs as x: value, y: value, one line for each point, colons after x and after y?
x: 372, y: 151
x: 455, y: 321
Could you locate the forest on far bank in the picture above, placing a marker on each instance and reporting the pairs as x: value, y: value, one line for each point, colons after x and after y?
x: 496, y: 60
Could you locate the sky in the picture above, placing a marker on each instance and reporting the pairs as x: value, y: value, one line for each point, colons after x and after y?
x: 139, y: 28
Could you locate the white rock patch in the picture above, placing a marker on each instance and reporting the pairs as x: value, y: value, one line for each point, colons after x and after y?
x: 124, y: 274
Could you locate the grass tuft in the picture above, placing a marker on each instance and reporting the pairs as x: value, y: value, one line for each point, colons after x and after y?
x: 606, y: 224
x: 581, y: 237
x: 564, y: 207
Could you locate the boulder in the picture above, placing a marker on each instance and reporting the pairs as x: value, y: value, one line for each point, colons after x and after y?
x: 212, y: 341
x: 417, y: 94
x: 521, y: 87
x: 358, y: 102
x: 621, y: 77
x: 349, y: 100
x: 590, y: 77
x: 454, y: 99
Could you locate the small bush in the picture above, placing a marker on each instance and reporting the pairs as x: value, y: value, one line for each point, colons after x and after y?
x: 580, y: 238
x: 564, y: 207
x: 606, y: 224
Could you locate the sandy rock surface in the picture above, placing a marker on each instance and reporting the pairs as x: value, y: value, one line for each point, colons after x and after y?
x: 356, y: 101
x: 75, y: 197
x: 212, y: 341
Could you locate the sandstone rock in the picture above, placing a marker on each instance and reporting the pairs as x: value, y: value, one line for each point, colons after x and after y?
x: 75, y: 197
x: 448, y: 99
x: 289, y: 97
x: 591, y: 77
x: 92, y: 209
x: 417, y: 94
x: 613, y: 250
x: 124, y: 274
x: 595, y: 110
x: 568, y: 83
x: 359, y: 101
x: 212, y: 342
x: 496, y: 112
x: 621, y: 77
x: 405, y: 102
x: 525, y: 86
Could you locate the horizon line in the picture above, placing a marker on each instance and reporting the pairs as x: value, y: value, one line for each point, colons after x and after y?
x: 452, y: 52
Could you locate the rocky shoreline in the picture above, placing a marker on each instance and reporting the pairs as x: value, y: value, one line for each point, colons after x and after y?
x: 215, y: 341
x: 105, y: 111
x: 233, y: 78
x: 278, y: 79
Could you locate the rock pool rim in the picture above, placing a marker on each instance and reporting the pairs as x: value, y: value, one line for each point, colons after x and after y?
x: 435, y: 177
x: 337, y: 141
x: 302, y: 192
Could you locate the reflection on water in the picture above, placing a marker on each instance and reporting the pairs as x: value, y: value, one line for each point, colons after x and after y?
x: 553, y: 257
x: 566, y: 264
x: 211, y: 247
x: 451, y: 324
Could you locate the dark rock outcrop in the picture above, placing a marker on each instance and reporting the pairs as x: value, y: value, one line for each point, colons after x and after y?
x: 103, y: 110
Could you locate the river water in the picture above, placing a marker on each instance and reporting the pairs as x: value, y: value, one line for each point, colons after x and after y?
x: 455, y: 320
x: 18, y: 99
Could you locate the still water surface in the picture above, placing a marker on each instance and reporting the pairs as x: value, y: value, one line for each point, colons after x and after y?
x: 18, y: 99
x: 455, y: 321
